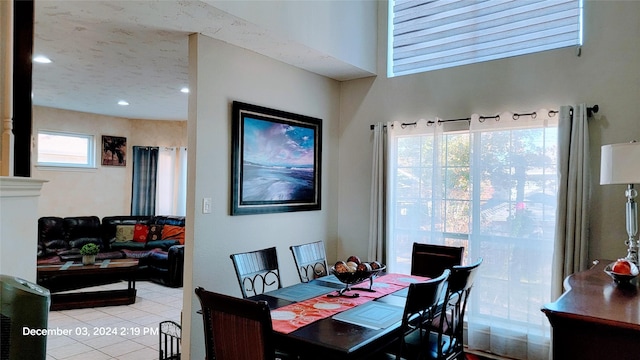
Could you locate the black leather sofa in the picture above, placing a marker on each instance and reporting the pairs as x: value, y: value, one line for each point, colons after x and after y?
x: 161, y: 260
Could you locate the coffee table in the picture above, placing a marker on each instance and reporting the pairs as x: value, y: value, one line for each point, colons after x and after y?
x: 123, y: 269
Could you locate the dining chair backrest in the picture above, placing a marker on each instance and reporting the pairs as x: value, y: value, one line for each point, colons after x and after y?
x: 310, y: 259
x: 235, y: 328
x: 420, y: 310
x: 431, y: 260
x: 257, y: 271
x: 450, y: 322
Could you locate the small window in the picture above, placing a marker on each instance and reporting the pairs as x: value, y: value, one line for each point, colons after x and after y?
x: 427, y: 35
x: 65, y: 149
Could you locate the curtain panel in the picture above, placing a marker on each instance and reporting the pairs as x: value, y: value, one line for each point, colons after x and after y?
x: 491, y: 188
x: 574, y: 176
x: 145, y: 169
x: 171, y: 189
x: 514, y: 177
x: 377, y: 200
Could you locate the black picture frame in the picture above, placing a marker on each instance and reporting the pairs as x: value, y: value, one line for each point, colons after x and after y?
x: 276, y: 161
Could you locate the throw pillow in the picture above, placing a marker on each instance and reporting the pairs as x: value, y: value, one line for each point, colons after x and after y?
x: 140, y: 232
x: 124, y: 233
x: 173, y: 232
x: 155, y: 232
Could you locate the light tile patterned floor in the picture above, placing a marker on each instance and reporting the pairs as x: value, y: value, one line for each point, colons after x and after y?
x: 154, y: 303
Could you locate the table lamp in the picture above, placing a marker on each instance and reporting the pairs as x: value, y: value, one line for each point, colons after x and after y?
x: 619, y: 165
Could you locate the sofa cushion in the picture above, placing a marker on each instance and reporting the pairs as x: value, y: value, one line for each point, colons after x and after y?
x: 56, y: 244
x: 140, y: 233
x: 155, y: 232
x: 137, y: 254
x: 80, y: 242
x: 109, y: 224
x: 128, y: 245
x: 82, y: 227
x: 172, y: 232
x: 169, y: 220
x: 51, y: 228
x: 110, y: 255
x: 124, y: 232
x: 162, y: 244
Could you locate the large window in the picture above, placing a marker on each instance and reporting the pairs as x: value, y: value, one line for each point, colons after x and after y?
x: 428, y: 35
x: 65, y: 149
x: 492, y: 190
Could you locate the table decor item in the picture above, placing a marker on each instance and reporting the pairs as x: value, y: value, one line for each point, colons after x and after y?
x: 622, y: 271
x: 618, y: 166
x: 89, y: 252
x: 353, y: 272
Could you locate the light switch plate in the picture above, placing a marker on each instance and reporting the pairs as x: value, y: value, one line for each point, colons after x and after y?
x: 206, y: 205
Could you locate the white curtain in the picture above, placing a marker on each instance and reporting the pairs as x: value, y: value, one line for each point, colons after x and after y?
x: 377, y: 206
x: 414, y: 205
x: 171, y: 186
x: 514, y: 175
x: 489, y: 185
x: 571, y: 246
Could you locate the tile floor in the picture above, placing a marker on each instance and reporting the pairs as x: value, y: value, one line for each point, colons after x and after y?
x: 154, y: 303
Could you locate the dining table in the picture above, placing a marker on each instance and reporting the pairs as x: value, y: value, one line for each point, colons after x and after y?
x: 319, y: 320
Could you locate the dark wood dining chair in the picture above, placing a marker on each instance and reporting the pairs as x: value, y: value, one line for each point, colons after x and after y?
x: 445, y: 341
x: 442, y: 338
x: 431, y: 260
x: 257, y: 271
x: 310, y: 259
x: 235, y: 328
x: 420, y: 311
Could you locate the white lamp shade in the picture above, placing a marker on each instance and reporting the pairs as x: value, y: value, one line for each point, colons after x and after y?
x: 620, y: 164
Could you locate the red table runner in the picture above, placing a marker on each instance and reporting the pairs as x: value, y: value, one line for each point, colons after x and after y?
x: 294, y: 316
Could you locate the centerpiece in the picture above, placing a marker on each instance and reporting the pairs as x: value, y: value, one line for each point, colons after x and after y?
x: 89, y: 252
x: 352, y: 272
x: 622, y: 271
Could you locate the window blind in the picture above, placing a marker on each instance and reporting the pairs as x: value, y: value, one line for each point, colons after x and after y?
x: 429, y: 35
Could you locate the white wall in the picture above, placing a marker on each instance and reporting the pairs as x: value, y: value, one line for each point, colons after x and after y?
x: 105, y: 190
x: 607, y: 74
x: 219, y: 74
x: 341, y: 29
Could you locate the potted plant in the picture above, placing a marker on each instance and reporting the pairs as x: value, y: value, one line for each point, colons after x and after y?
x: 89, y: 252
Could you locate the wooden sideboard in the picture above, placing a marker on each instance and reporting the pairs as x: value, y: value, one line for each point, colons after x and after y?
x: 595, y: 318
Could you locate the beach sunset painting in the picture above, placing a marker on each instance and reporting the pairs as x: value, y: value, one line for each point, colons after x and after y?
x: 278, y: 162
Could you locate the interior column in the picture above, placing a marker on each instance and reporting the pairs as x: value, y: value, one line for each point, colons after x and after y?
x: 6, y: 81
x: 23, y: 15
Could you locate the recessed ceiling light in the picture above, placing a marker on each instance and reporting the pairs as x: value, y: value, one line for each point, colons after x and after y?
x: 123, y: 103
x: 185, y: 90
x: 42, y: 59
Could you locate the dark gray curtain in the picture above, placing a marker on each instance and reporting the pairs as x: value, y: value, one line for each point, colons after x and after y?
x: 145, y: 169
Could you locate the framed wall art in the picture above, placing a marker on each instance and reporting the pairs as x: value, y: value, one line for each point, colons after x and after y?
x: 114, y: 150
x: 276, y: 160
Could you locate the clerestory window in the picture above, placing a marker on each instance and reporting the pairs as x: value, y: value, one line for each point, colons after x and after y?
x: 427, y: 35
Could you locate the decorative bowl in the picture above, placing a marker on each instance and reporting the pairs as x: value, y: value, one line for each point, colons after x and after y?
x: 621, y: 278
x: 357, y: 276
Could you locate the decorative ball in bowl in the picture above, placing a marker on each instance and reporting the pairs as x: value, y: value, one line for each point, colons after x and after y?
x: 622, y: 271
x: 353, y: 271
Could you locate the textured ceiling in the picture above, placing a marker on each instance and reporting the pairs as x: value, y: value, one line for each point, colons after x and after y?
x: 106, y: 51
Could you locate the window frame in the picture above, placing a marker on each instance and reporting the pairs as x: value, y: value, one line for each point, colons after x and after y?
x: 91, y: 152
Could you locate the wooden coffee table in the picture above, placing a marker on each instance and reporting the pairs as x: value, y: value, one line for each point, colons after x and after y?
x: 125, y: 269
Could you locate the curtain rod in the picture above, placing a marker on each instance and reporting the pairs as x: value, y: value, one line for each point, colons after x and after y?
x: 590, y: 112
